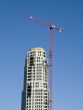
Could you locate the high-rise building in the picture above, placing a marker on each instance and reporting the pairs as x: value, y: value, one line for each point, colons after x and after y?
x: 35, y: 94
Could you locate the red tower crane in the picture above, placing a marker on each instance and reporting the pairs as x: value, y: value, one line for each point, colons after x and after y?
x: 51, y: 27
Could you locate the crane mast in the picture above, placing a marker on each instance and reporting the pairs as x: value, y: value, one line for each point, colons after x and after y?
x: 50, y: 67
x: 51, y: 27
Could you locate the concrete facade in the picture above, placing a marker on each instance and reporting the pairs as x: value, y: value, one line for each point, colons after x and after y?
x: 35, y: 94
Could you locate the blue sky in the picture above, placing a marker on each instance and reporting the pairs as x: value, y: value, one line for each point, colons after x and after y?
x: 18, y: 35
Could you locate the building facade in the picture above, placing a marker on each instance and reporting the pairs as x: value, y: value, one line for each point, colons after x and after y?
x: 35, y: 94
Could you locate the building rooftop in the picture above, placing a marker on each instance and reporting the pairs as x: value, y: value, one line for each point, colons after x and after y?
x: 37, y: 49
